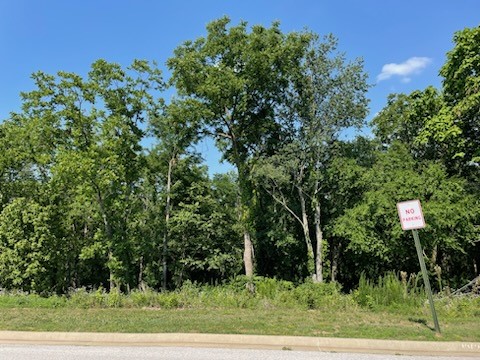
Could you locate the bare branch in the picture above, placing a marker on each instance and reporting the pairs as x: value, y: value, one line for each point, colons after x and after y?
x: 283, y: 202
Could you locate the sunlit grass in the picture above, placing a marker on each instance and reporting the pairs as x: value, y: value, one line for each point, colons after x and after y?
x: 321, y: 322
x: 277, y: 308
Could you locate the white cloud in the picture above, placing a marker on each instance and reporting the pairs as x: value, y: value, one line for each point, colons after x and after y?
x: 412, y: 66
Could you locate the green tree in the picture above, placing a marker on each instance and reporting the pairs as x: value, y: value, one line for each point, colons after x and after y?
x: 344, y: 187
x: 79, y: 141
x: 283, y: 176
x: 404, y: 119
x: 241, y: 78
x: 461, y: 87
x: 372, y: 229
x: 327, y: 97
x: 29, y: 249
x: 283, y: 250
x: 176, y: 129
x: 203, y: 235
x: 442, y: 125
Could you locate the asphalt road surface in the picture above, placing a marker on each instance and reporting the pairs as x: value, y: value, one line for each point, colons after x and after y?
x: 60, y: 352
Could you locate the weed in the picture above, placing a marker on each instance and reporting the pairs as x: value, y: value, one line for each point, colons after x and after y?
x: 389, y: 291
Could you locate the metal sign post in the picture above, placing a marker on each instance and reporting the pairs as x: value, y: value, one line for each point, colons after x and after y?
x: 428, y: 289
x: 411, y: 218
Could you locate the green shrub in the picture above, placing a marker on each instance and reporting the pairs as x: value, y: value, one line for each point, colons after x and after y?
x: 223, y: 296
x: 140, y: 299
x: 387, y: 292
x: 113, y: 299
x: 270, y: 288
x: 169, y: 300
x: 95, y: 299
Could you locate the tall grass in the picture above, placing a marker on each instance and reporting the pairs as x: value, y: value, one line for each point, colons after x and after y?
x: 269, y: 293
x: 389, y: 292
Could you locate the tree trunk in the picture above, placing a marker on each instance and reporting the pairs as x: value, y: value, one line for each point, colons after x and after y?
x: 335, y: 257
x: 167, y: 220
x: 244, y: 213
x: 306, y: 234
x: 319, y: 239
x: 248, y: 253
x: 108, y: 232
x: 141, y: 284
x: 110, y: 279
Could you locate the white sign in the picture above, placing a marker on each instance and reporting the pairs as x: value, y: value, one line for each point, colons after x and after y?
x: 411, y: 216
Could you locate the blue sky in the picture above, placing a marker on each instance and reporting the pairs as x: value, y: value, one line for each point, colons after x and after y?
x: 403, y: 43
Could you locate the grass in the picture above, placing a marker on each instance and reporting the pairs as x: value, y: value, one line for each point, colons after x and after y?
x: 358, y: 324
x: 277, y: 308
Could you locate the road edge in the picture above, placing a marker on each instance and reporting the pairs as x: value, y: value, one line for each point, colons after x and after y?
x: 395, y: 347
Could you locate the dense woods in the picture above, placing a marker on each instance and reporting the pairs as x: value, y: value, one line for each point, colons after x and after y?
x: 100, y: 185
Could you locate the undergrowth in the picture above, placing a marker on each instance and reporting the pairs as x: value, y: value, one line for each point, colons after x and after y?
x: 391, y: 292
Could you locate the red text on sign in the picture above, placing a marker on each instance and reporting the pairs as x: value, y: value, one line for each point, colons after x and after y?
x: 412, y: 218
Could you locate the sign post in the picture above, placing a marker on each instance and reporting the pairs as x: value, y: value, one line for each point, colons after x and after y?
x: 411, y: 218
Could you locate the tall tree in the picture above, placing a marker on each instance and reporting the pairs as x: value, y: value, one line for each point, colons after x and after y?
x: 283, y: 176
x: 449, y: 131
x: 177, y: 129
x: 327, y: 97
x: 333, y: 94
x: 344, y: 186
x: 241, y: 78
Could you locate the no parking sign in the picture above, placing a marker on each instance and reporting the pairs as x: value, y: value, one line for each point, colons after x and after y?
x: 411, y: 216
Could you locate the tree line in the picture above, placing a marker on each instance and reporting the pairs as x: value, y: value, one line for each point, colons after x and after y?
x: 85, y: 203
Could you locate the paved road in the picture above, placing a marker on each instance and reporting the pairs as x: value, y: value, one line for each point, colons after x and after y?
x: 59, y: 352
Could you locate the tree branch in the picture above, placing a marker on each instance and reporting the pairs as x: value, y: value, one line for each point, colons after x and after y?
x: 282, y: 202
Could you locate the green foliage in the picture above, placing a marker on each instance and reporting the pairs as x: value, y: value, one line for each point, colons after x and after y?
x: 318, y: 295
x: 461, y: 306
x: 372, y: 227
x: 461, y: 85
x: 28, y: 247
x: 84, y: 299
x: 241, y: 77
x: 25, y: 300
x: 79, y: 141
x: 270, y: 288
x: 115, y: 299
x: 407, y: 119
x: 389, y: 291
x: 269, y: 293
x: 441, y: 125
x: 83, y: 205
x: 203, y: 239
x: 273, y: 293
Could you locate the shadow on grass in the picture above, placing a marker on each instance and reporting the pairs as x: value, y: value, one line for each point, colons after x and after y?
x: 421, y: 322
